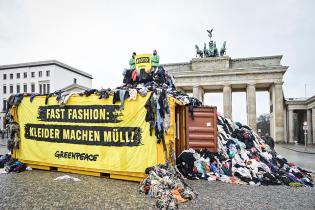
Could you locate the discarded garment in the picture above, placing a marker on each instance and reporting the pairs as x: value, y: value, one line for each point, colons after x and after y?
x: 67, y: 177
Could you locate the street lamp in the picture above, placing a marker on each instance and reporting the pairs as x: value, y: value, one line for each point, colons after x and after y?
x: 305, y: 128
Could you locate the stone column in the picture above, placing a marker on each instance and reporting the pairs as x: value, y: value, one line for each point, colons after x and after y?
x: 313, y: 124
x: 251, y: 106
x: 271, y: 108
x: 291, y: 127
x: 278, y: 117
x: 198, y: 93
x: 227, y: 101
x: 309, y: 123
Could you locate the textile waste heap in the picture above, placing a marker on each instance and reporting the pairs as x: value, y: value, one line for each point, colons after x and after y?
x: 242, y: 158
x: 166, y: 184
x: 9, y: 164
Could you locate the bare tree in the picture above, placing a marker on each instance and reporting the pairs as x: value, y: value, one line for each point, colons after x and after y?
x: 263, y: 123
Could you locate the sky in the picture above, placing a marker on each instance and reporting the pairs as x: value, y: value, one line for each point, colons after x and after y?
x: 99, y: 36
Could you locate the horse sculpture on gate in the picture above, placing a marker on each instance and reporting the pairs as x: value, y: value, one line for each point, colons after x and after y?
x: 198, y: 52
x: 223, y: 49
x: 206, y: 51
x: 215, y: 50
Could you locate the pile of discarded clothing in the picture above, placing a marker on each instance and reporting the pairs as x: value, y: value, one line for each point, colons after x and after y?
x: 9, y: 164
x: 167, y: 185
x: 242, y: 158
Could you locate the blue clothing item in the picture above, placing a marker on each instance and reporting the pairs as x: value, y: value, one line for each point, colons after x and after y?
x: 232, y: 154
x: 214, y: 168
x: 238, y: 142
x: 199, y: 168
x: 272, y: 167
x: 18, y: 163
x: 294, y: 179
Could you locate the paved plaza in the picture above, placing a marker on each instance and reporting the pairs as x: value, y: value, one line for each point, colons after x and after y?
x: 38, y: 190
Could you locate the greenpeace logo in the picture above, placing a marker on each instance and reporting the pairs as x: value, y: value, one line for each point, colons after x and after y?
x: 76, y: 156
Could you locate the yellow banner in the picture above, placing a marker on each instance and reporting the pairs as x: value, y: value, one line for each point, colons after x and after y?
x: 88, y: 132
x: 144, y: 61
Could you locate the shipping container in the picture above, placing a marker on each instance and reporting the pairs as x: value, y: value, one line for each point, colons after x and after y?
x: 92, y: 136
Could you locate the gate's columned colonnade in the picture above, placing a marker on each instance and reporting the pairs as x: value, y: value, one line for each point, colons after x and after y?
x: 227, y: 75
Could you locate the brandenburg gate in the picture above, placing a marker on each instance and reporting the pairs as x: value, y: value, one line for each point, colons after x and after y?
x: 225, y: 74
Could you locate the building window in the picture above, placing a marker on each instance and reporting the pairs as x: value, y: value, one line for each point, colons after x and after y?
x: 4, y: 89
x: 74, y: 81
x: 4, y: 105
x: 25, y: 88
x: 18, y: 75
x: 25, y: 74
x: 32, y: 74
x: 18, y: 88
x: 47, y: 73
x: 40, y: 74
x: 44, y: 87
x: 33, y: 87
x: 11, y: 76
x: 4, y: 76
x: 11, y: 88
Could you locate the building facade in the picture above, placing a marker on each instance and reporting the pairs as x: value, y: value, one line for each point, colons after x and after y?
x: 299, y: 111
x: 38, y: 77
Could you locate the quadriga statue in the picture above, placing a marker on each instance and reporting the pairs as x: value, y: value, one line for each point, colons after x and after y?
x: 198, y: 52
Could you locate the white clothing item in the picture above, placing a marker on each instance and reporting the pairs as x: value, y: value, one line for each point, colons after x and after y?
x: 132, y: 94
x: 67, y: 177
x: 3, y: 171
x: 253, y: 164
x: 244, y: 172
x: 244, y: 155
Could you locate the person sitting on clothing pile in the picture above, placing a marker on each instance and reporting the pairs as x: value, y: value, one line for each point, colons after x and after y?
x: 155, y: 60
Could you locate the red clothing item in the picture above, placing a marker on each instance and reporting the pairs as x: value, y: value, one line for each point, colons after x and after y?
x: 291, y: 164
x: 134, y: 75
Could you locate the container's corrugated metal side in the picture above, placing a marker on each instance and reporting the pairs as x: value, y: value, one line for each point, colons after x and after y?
x: 201, y: 128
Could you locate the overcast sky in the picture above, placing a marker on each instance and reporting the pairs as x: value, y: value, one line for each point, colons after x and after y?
x: 99, y: 36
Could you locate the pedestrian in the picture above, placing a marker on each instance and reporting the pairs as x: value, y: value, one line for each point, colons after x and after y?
x: 269, y: 140
x: 132, y: 61
x: 155, y: 60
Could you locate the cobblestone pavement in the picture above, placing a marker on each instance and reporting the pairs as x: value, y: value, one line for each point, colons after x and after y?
x: 310, y: 149
x: 304, y: 160
x: 38, y: 190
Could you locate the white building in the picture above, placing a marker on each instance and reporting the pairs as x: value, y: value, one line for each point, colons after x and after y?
x: 38, y: 77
